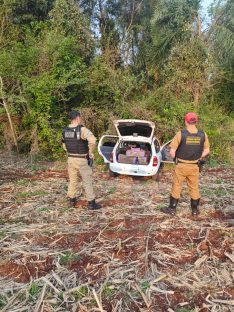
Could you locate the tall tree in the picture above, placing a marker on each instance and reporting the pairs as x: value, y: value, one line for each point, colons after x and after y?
x: 222, y: 46
x: 174, y: 21
x: 179, y: 49
x: 186, y: 73
x: 27, y: 11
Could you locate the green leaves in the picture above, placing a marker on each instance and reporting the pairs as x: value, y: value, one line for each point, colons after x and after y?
x: 222, y: 48
x: 114, y: 59
x: 34, y: 290
x: 173, y: 22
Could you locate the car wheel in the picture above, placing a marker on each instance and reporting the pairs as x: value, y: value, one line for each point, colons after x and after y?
x: 156, y: 177
x: 161, y: 165
x: 112, y: 174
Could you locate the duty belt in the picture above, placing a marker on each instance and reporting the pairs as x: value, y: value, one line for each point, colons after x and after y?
x: 187, y: 163
x: 77, y: 156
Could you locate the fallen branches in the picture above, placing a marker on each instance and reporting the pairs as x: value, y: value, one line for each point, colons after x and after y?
x: 129, y: 257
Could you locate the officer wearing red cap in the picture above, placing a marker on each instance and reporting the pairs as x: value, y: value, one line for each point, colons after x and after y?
x: 188, y: 147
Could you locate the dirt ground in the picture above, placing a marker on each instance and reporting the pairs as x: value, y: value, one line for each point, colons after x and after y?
x: 127, y: 257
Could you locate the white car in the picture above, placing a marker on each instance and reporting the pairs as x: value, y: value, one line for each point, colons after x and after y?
x: 135, y: 150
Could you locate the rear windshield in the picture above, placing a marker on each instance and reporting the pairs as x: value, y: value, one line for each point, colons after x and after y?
x: 135, y: 130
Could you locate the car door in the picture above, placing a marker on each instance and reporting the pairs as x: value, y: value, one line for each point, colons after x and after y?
x: 165, y: 151
x: 106, y: 146
x: 156, y: 145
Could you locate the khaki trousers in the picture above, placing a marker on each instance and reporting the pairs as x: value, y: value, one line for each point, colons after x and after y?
x: 188, y: 173
x: 80, y: 166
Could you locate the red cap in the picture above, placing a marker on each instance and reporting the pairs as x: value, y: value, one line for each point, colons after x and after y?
x: 191, y: 118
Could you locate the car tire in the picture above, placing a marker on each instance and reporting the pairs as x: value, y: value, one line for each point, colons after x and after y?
x: 112, y: 174
x: 156, y: 177
x: 161, y: 165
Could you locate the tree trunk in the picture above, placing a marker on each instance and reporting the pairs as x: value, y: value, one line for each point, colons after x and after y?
x: 199, y: 26
x: 4, y: 103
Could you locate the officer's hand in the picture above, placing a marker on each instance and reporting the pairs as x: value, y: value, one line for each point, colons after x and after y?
x: 91, y: 155
x: 172, y: 152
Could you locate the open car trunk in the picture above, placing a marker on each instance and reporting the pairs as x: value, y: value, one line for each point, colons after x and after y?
x: 135, y: 128
x: 136, y: 153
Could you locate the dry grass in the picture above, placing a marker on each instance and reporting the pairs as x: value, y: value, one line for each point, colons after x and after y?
x: 127, y: 257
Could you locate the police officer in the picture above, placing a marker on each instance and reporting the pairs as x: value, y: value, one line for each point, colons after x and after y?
x: 79, y: 142
x: 188, y: 147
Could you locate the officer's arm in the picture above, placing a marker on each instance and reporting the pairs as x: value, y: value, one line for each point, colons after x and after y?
x: 64, y: 147
x: 174, y: 144
x: 206, y: 150
x: 63, y: 144
x: 86, y: 134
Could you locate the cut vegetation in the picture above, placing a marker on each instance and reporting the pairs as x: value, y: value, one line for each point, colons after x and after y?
x: 128, y: 257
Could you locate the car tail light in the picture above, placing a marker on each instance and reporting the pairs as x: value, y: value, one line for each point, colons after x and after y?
x: 111, y: 157
x: 155, y: 161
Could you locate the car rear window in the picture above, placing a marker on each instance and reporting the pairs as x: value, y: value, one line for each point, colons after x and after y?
x: 135, y: 130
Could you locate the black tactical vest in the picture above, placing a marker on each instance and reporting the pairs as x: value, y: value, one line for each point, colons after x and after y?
x: 73, y: 142
x: 191, y: 145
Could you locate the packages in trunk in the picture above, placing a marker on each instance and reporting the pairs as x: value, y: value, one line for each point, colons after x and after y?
x: 134, y: 153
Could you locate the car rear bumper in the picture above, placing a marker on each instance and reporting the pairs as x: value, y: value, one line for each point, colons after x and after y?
x: 134, y: 170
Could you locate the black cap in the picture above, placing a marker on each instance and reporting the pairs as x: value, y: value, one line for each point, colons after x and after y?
x: 73, y: 115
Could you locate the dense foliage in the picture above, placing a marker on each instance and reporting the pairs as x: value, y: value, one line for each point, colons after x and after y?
x: 148, y: 59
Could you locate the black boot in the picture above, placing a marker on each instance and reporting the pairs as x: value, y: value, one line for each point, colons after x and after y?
x: 172, y: 206
x: 194, y: 206
x: 92, y: 205
x: 72, y: 202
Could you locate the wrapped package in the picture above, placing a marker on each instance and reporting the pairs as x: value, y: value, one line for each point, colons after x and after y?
x: 131, y: 160
x: 136, y: 152
x: 142, y: 160
x: 129, y: 153
x: 124, y: 159
x: 135, y: 156
x: 141, y: 153
x: 135, y: 149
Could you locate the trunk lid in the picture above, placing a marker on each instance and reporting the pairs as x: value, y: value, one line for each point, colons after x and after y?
x: 134, y: 128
